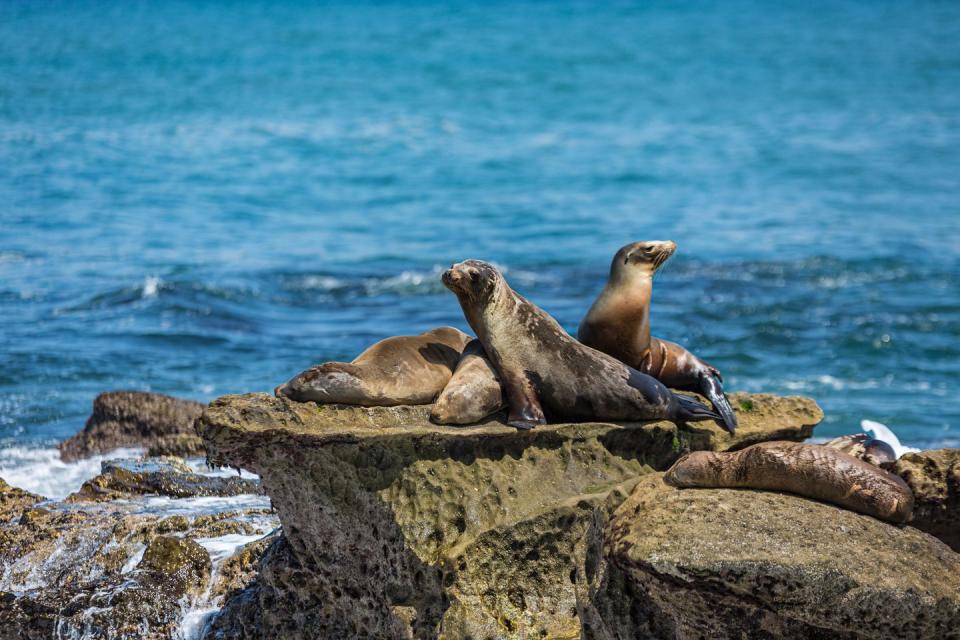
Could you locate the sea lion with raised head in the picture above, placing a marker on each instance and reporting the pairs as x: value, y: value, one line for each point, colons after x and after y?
x: 809, y: 470
x: 397, y: 370
x: 618, y: 323
x: 474, y: 391
x: 546, y: 374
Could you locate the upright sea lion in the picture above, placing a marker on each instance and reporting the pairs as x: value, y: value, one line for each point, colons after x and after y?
x: 618, y: 324
x: 398, y: 370
x: 546, y: 374
x: 474, y: 391
x: 810, y: 470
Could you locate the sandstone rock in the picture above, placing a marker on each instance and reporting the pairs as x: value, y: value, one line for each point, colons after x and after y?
x: 108, y: 569
x: 182, y: 445
x: 934, y: 477
x: 167, y: 476
x: 396, y: 527
x: 14, y: 501
x: 729, y: 563
x: 130, y: 419
x: 178, y: 560
x: 240, y: 570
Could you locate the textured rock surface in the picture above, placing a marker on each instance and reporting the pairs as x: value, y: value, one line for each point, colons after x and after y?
x: 108, y: 569
x: 738, y: 563
x: 14, y: 501
x: 181, y: 445
x: 396, y: 527
x: 123, y: 478
x: 131, y: 419
x: 934, y: 477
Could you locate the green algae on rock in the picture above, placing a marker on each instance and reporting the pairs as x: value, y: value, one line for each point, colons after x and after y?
x: 743, y: 563
x: 396, y: 527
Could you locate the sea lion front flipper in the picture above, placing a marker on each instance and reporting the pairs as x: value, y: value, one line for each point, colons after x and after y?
x: 525, y: 410
x: 710, y: 387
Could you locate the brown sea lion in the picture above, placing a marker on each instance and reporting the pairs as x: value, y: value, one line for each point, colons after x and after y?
x: 546, y: 374
x: 618, y: 324
x: 809, y: 470
x: 474, y: 391
x: 398, y: 370
x: 865, y: 447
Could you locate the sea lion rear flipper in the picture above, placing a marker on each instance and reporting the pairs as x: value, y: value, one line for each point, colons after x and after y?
x: 710, y: 387
x: 525, y: 410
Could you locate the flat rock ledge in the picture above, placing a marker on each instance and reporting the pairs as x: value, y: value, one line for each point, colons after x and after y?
x: 737, y: 563
x: 398, y: 528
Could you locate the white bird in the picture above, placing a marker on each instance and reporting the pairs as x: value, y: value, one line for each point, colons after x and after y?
x: 883, y: 433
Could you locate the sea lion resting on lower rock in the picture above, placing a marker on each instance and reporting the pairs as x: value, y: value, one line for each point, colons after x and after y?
x: 397, y: 370
x: 809, y: 470
x: 865, y: 447
x: 474, y: 391
x: 618, y: 323
x: 546, y: 373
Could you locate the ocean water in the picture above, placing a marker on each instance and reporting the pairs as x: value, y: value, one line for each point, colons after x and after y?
x: 200, y: 198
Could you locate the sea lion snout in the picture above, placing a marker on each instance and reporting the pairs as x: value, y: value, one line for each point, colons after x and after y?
x: 470, y: 276
x: 650, y: 252
x: 451, y: 276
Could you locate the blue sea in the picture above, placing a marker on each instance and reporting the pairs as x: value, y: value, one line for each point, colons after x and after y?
x: 202, y: 198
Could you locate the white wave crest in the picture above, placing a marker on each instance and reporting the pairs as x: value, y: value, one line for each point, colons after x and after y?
x: 41, y: 471
x: 151, y: 287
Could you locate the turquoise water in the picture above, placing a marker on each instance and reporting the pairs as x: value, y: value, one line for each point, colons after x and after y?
x: 206, y: 198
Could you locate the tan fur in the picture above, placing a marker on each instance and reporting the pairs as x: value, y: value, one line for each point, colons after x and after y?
x: 397, y: 370
x: 814, y: 471
x: 474, y: 391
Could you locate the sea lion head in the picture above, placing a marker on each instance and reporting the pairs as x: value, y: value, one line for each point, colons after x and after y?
x: 473, y: 280
x: 642, y: 258
x: 327, y: 382
x: 694, y: 469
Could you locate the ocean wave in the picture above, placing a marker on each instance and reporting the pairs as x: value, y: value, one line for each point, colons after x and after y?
x: 41, y: 471
x: 409, y: 282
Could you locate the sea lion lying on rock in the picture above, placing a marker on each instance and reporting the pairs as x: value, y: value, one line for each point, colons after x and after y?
x: 397, y: 370
x: 548, y: 374
x: 618, y: 323
x: 865, y: 447
x: 474, y: 391
x: 809, y: 470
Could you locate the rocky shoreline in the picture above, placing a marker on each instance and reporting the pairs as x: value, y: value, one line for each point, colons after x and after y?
x: 394, y: 527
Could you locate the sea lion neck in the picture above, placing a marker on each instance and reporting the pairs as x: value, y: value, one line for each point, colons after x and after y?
x: 630, y: 299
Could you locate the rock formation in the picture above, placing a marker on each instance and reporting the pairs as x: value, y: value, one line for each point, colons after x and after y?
x: 124, y: 478
x: 732, y: 563
x: 934, y: 477
x: 95, y: 566
x: 136, y: 419
x: 396, y: 527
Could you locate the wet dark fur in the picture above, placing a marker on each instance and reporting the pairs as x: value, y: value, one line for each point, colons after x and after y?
x: 547, y: 375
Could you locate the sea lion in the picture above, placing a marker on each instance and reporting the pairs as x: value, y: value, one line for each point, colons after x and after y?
x: 618, y: 323
x: 397, y: 370
x: 809, y: 470
x: 546, y: 374
x: 474, y: 391
x: 864, y: 447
